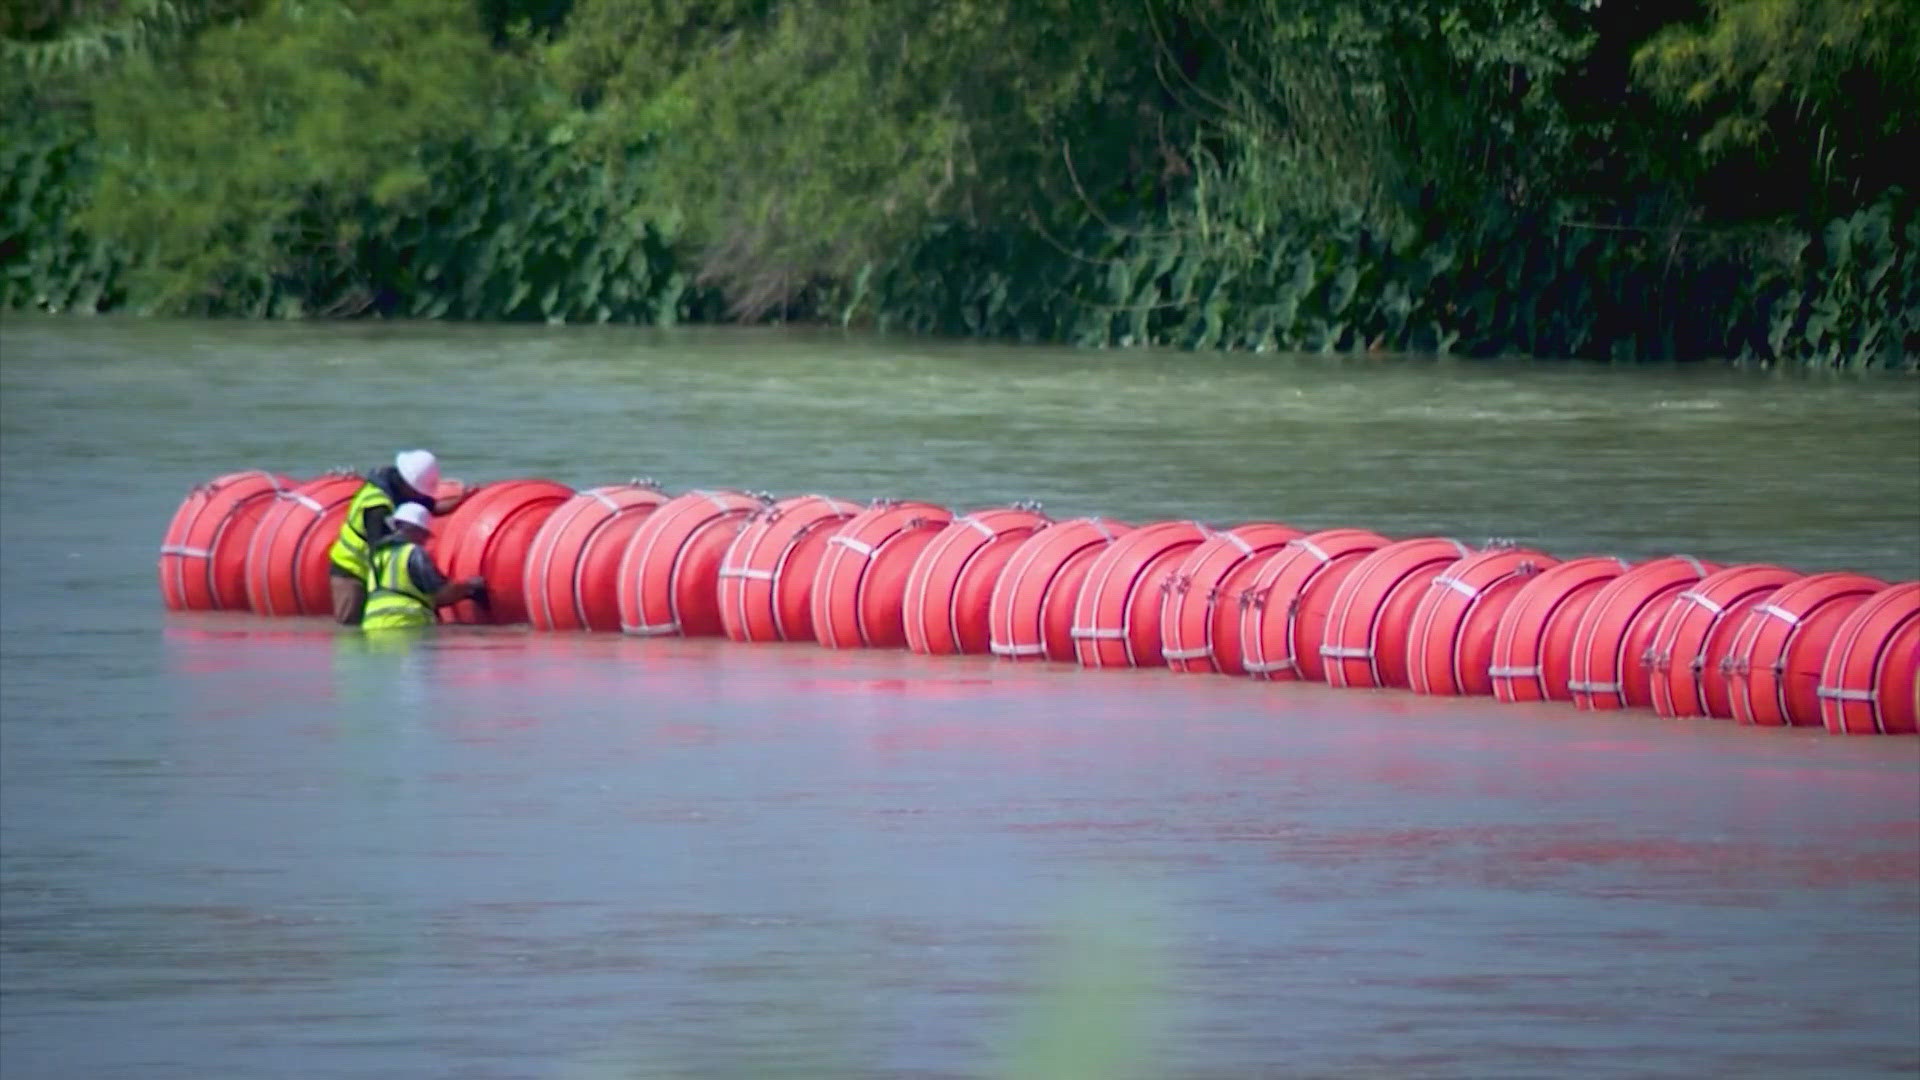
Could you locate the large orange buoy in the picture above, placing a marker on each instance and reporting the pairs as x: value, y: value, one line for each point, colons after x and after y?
x: 1284, y: 608
x: 1533, y: 645
x: 670, y: 572
x: 1773, y: 666
x: 1450, y: 645
x: 1200, y: 618
x: 1870, y: 680
x: 1616, y: 631
x: 859, y: 590
x: 286, y: 564
x: 1694, y: 636
x: 766, y: 575
x: 950, y: 588
x: 1116, y: 618
x: 1371, y: 620
x: 203, y: 557
x: 571, y: 577
x: 1030, y: 615
x: 490, y: 536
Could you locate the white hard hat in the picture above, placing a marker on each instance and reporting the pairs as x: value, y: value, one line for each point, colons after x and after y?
x: 412, y: 514
x: 420, y: 469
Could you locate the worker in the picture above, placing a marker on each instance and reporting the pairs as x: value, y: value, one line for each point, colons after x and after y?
x: 413, y: 478
x: 404, y: 588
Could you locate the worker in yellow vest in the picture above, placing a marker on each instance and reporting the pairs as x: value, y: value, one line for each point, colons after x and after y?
x: 404, y: 588
x: 412, y: 479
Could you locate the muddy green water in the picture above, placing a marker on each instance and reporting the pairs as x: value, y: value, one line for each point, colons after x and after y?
x: 233, y: 846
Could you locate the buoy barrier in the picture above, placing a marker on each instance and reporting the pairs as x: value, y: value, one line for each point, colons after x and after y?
x: 1773, y: 667
x: 572, y: 572
x: 1283, y: 611
x: 669, y: 575
x: 287, y: 563
x: 1870, y: 679
x: 1116, y: 617
x: 1533, y: 645
x: 1616, y: 632
x: 766, y: 575
x: 1695, y: 634
x: 1030, y: 615
x: 1200, y: 618
x: 860, y: 588
x: 949, y: 595
x: 1450, y: 643
x: 490, y: 535
x: 1370, y: 624
x: 203, y: 556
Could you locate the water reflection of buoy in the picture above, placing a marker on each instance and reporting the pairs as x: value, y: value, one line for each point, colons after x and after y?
x: 1450, y: 642
x: 949, y: 593
x: 571, y: 577
x: 1870, y: 680
x: 1031, y: 611
x: 1200, y: 618
x: 1615, y: 635
x: 203, y: 557
x: 1371, y: 620
x: 286, y: 563
x: 669, y: 575
x: 1696, y: 632
x: 766, y: 575
x: 490, y: 535
x: 1773, y: 667
x: 859, y: 590
x: 1283, y: 611
x: 1116, y: 618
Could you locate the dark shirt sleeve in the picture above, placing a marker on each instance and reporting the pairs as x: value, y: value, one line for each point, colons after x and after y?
x: 373, y: 522
x: 425, y: 574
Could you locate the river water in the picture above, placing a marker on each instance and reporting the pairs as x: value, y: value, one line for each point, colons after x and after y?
x: 238, y: 847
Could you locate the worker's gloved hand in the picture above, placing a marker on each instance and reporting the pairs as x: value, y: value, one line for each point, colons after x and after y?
x: 477, y: 591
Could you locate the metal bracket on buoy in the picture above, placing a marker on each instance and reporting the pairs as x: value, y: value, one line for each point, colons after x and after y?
x: 647, y: 482
x: 1500, y: 542
x: 1033, y: 505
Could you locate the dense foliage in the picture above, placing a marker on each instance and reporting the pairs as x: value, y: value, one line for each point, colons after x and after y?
x: 1555, y: 178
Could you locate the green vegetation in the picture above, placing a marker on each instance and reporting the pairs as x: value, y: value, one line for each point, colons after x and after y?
x: 1554, y: 178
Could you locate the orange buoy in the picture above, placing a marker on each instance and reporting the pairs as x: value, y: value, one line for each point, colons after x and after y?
x: 1533, y: 645
x: 1450, y: 644
x: 1195, y: 624
x: 1284, y: 608
x: 766, y: 575
x: 203, y: 557
x: 1371, y: 620
x: 570, y: 580
x: 1773, y: 667
x: 1616, y: 632
x: 670, y: 572
x: 1693, y: 637
x: 860, y: 588
x: 1116, y: 617
x: 286, y: 563
x: 1870, y: 679
x: 1030, y: 614
x: 950, y: 587
x: 490, y: 536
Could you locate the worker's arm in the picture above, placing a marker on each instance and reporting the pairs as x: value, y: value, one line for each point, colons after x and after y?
x: 447, y: 504
x: 435, y: 584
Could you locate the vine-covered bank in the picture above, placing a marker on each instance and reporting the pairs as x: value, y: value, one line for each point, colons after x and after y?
x: 1627, y: 179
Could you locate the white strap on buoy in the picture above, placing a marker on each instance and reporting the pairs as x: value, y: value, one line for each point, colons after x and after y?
x: 1187, y: 654
x: 306, y: 500
x: 751, y: 575
x: 1458, y: 586
x: 1236, y: 541
x: 1780, y: 613
x: 864, y: 549
x: 652, y: 629
x: 1704, y: 601
x: 1095, y: 633
x: 1847, y: 695
x: 1312, y: 549
x: 190, y: 552
x: 1594, y: 687
x: 1514, y: 672
x: 1346, y: 652
x: 1267, y: 667
x: 600, y: 496
x: 984, y: 529
x: 1003, y: 649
